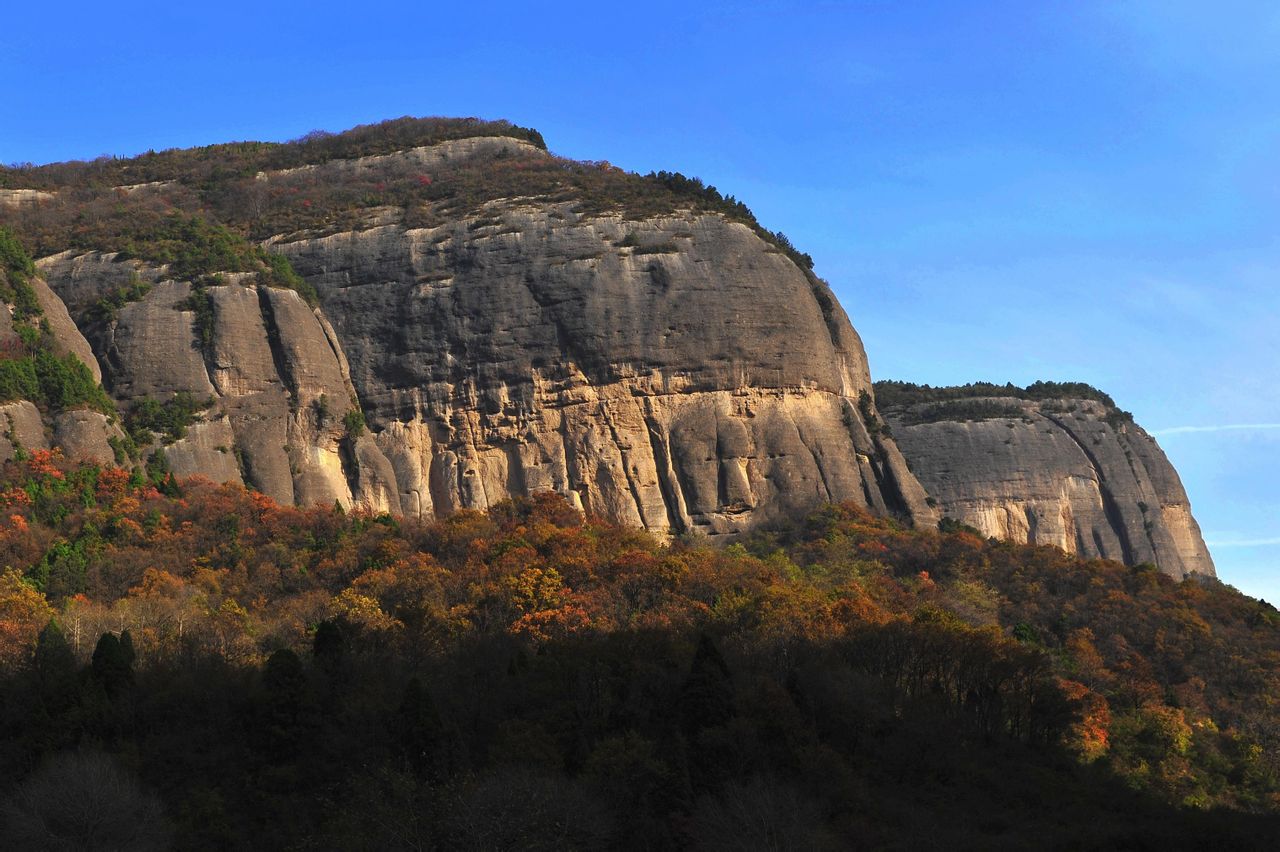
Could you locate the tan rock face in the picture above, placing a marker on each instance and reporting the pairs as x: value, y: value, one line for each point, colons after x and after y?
x: 66, y: 335
x: 20, y: 198
x: 20, y: 428
x: 83, y: 436
x: 276, y: 385
x: 1062, y: 474
x: 208, y: 450
x: 677, y: 372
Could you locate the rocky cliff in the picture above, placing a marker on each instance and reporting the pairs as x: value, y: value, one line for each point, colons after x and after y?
x: 49, y: 378
x: 424, y: 316
x: 272, y: 385
x: 673, y: 372
x: 676, y: 370
x: 1073, y: 472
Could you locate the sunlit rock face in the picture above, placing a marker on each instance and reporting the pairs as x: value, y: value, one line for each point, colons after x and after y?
x: 676, y: 372
x: 1062, y: 472
x: 673, y: 370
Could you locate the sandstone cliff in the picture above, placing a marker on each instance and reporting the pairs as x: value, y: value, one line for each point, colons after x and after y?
x: 1075, y: 473
x: 673, y: 372
x: 271, y: 377
x: 57, y: 367
x: 676, y: 371
x: 464, y: 317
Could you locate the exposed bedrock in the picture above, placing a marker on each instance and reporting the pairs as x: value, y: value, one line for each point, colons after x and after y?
x: 82, y: 434
x: 273, y: 379
x: 1068, y: 473
x: 676, y: 372
x: 495, y: 321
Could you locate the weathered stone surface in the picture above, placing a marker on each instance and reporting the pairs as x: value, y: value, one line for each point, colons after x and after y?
x: 20, y: 427
x: 677, y: 372
x: 375, y: 484
x: 82, y: 278
x: 20, y: 198
x: 1066, y: 474
x: 83, y: 436
x: 278, y: 388
x: 208, y: 450
x: 422, y: 158
x: 8, y: 335
x: 67, y: 338
x: 151, y: 350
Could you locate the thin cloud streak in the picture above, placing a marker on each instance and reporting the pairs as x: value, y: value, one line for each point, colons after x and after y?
x: 1225, y: 427
x: 1245, y: 542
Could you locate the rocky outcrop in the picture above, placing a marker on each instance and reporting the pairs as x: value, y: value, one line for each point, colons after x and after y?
x: 23, y: 198
x: 67, y: 339
x: 676, y: 372
x: 499, y: 334
x: 85, y: 435
x: 82, y: 434
x: 1074, y: 473
x: 275, y: 385
x: 21, y: 428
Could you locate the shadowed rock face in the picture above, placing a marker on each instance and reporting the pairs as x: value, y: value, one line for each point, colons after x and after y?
x: 1067, y: 473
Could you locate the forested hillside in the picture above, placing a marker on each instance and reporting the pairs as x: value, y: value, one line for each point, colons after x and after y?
x: 220, y: 671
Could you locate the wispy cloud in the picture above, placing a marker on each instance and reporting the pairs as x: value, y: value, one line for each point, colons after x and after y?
x: 1245, y: 542
x: 1224, y: 427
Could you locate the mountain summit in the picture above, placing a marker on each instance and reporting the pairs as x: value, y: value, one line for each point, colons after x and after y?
x: 428, y: 315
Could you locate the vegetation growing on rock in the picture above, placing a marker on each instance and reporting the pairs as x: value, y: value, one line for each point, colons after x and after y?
x: 210, y: 165
x: 57, y: 382
x: 29, y: 367
x: 168, y: 418
x: 16, y: 270
x: 214, y: 197
x: 107, y: 307
x: 914, y: 404
x: 896, y: 393
x: 960, y: 409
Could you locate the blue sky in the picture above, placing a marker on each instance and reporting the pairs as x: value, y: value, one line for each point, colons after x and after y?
x: 998, y: 191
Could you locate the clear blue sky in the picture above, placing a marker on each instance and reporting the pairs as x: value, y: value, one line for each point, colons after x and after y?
x: 1001, y: 191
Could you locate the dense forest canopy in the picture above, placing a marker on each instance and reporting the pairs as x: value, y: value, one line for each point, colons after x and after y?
x: 282, y: 678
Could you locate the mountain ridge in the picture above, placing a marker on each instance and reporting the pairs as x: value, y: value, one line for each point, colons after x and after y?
x: 500, y: 321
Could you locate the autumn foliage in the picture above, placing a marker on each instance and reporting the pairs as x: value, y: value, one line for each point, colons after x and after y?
x: 279, y: 673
